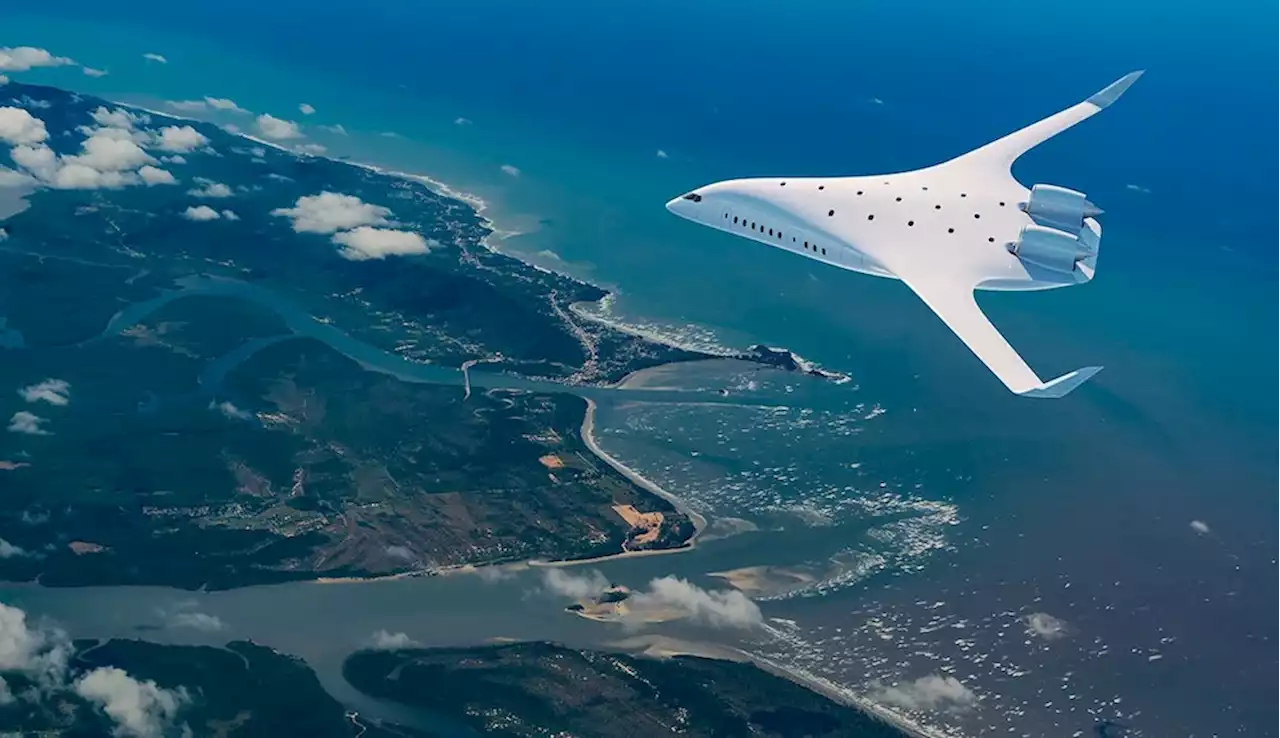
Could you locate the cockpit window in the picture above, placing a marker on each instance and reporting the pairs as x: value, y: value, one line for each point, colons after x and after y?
x: 693, y: 196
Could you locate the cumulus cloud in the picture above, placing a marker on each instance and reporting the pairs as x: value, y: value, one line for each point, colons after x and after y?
x: 366, y: 242
x: 13, y: 178
x: 331, y: 211
x: 174, y: 159
x: 118, y: 118
x: 22, y: 58
x: 314, y: 149
x: 9, y: 551
x: 91, y: 72
x: 932, y: 692
x: 106, y: 151
x: 1045, y: 626
x: 717, y: 608
x: 187, y: 106
x: 1199, y: 526
x: 460, y: 121
x: 575, y: 586
x: 229, y: 215
x: 151, y: 56
x: 277, y: 128
x: 155, y: 176
x: 52, y: 391
x: 28, y: 423
x: 510, y: 170
x: 224, y: 104
x: 210, y: 189
x: 306, y: 109
x: 386, y: 641
x: 662, y: 154
x: 666, y: 598
x: 140, y: 709
x: 19, y: 127
x: 228, y: 409
x: 337, y: 128
x: 201, y: 213
x: 38, y: 652
x: 180, y: 139
x: 202, y: 621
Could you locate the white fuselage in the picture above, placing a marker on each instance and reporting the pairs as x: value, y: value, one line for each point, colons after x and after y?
x: 845, y: 221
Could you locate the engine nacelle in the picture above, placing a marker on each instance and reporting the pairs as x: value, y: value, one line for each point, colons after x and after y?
x: 1059, y: 207
x: 1050, y: 248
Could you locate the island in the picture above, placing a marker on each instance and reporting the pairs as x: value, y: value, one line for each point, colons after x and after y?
x: 524, y: 690
x: 216, y: 357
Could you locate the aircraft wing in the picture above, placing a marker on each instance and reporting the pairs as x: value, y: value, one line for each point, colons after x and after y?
x: 1003, y: 152
x: 953, y: 301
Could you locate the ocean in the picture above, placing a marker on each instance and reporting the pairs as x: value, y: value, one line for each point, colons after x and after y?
x: 941, y: 515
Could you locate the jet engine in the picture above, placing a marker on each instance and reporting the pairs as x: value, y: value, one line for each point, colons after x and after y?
x: 1050, y: 248
x: 1059, y: 207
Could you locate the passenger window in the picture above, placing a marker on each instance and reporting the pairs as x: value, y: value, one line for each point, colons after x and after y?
x: 824, y: 252
x: 735, y: 220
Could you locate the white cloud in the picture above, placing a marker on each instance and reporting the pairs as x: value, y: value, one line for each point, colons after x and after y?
x: 13, y: 178
x: 229, y: 215
x: 717, y: 608
x: 386, y: 641
x: 210, y: 189
x: 8, y: 550
x: 201, y: 213
x: 931, y: 692
x: 228, y: 409
x: 6, y: 694
x: 91, y: 72
x: 1199, y: 526
x: 510, y: 170
x: 107, y: 153
x: 224, y: 104
x: 28, y: 423
x: 1046, y: 626
x: 336, y: 128
x: 378, y: 243
x: 154, y: 57
x: 40, y: 652
x: 20, y: 127
x: 174, y: 159
x: 180, y: 139
x: 154, y: 176
x: 306, y: 109
x: 662, y: 154
x: 277, y: 128
x: 460, y: 121
x: 331, y: 211
x: 22, y: 58
x: 188, y: 106
x: 39, y: 160
x: 4, y: 80
x: 314, y: 149
x: 1137, y: 188
x: 52, y: 391
x: 73, y: 176
x: 118, y: 118
x: 197, y: 621
x: 140, y: 709
x: 575, y: 586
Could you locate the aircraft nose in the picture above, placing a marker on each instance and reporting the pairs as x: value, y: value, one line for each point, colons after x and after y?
x: 673, y: 204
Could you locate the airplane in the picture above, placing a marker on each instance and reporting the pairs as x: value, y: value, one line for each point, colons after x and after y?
x: 945, y: 231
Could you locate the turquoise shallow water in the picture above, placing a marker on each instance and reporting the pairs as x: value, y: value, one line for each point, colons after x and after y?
x: 1080, y: 509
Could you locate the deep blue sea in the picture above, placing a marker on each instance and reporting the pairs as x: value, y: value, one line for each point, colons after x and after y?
x: 1081, y: 508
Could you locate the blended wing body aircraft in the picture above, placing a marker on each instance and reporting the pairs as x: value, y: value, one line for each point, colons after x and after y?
x: 945, y: 231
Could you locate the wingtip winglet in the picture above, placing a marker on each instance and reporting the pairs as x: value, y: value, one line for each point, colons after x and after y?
x: 1064, y: 385
x: 1112, y: 92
